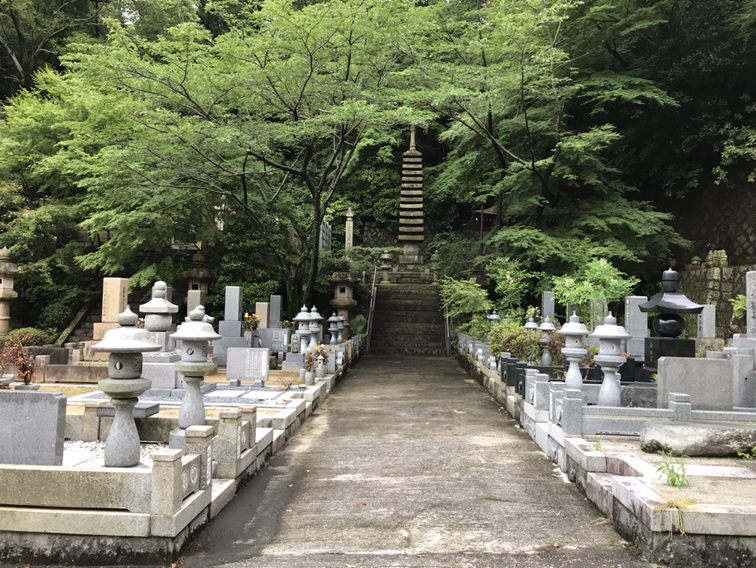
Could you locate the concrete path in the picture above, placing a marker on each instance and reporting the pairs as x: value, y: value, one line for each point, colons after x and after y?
x: 410, y: 463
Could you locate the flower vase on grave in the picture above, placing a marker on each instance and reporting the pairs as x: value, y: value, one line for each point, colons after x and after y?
x: 302, y: 374
x: 309, y: 377
x: 248, y: 338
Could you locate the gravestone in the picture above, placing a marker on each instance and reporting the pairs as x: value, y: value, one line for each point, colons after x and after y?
x: 33, y: 425
x: 707, y: 322
x: 247, y: 364
x: 115, y: 292
x: 547, y: 305
x: 636, y: 324
x: 275, y: 311
x: 231, y: 327
x: 275, y: 339
x: 194, y: 298
x: 262, y: 310
x: 707, y: 381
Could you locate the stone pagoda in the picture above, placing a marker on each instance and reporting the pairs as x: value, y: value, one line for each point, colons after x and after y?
x: 411, y: 230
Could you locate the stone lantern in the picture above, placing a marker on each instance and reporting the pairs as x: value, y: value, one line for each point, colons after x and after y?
x: 343, y: 299
x: 315, y: 319
x: 386, y: 259
x: 573, y: 350
x: 546, y: 328
x: 124, y: 385
x: 669, y: 324
x: 8, y: 271
x: 531, y: 325
x: 195, y: 336
x: 303, y: 328
x: 493, y: 317
x: 610, y: 336
x: 333, y: 329
x: 198, y: 275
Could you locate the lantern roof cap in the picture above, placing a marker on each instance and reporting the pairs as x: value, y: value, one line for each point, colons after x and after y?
x: 196, y: 329
x: 573, y: 327
x: 610, y: 330
x: 128, y: 338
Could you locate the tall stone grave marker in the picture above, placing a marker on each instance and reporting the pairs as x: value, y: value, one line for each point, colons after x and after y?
x: 248, y: 364
x: 636, y: 324
x: 547, y: 305
x: 262, y: 310
x: 159, y: 366
x: 115, y: 293
x: 275, y: 338
x: 231, y: 328
x: 276, y: 303
x: 748, y: 341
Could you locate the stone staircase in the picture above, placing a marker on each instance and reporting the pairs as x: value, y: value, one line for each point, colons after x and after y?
x: 408, y: 320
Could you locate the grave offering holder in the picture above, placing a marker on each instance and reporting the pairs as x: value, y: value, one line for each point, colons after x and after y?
x: 573, y: 350
x: 610, y: 336
x: 124, y: 385
x: 195, y: 336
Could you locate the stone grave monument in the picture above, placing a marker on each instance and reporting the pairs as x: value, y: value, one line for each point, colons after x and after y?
x: 159, y: 367
x: 231, y: 327
x: 115, y: 295
x: 8, y: 271
x: 248, y: 364
x: 33, y: 425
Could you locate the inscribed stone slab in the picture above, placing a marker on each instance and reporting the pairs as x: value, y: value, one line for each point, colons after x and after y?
x: 275, y: 339
x: 247, y: 364
x: 707, y: 322
x: 707, y: 381
x: 33, y: 426
x: 115, y: 293
x: 751, y: 303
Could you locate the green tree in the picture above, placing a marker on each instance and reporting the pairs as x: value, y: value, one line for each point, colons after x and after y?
x: 166, y: 137
x: 529, y: 129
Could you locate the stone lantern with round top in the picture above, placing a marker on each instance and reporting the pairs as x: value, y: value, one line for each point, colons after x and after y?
x: 124, y: 385
x: 195, y: 336
x: 315, y: 328
x: 546, y: 328
x: 303, y: 328
x: 333, y: 329
x: 573, y: 350
x: 610, y: 357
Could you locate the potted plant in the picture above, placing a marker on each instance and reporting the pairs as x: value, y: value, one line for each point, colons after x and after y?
x: 310, y: 367
x: 13, y: 354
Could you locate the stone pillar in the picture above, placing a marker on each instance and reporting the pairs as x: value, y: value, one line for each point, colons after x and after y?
x: 547, y: 305
x: 262, y: 310
x: 167, y: 485
x: 228, y: 444
x: 199, y: 441
x: 349, y: 230
x: 636, y: 324
x: 8, y: 271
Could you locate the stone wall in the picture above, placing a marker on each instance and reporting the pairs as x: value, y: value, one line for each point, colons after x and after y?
x: 713, y: 281
x: 719, y: 217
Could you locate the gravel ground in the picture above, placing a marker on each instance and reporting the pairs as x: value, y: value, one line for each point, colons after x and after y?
x: 96, y: 452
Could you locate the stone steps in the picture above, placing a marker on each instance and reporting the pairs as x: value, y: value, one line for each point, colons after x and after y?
x: 408, y: 320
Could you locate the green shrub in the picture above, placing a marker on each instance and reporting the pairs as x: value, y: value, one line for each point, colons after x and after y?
x: 520, y: 342
x: 29, y: 336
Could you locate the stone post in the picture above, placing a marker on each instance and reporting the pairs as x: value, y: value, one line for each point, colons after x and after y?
x: 167, y: 484
x: 228, y: 444
x: 199, y: 441
x: 349, y: 230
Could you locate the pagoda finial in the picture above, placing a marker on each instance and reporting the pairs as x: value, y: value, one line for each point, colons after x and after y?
x: 412, y: 137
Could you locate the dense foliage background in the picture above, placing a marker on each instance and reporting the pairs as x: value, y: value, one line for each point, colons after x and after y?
x: 238, y: 126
